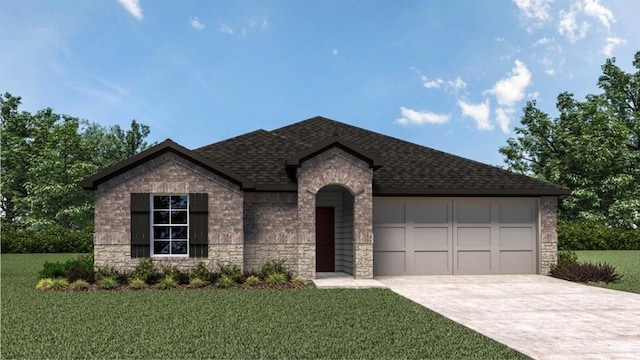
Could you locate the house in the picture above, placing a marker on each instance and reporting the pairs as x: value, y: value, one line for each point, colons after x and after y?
x: 323, y: 196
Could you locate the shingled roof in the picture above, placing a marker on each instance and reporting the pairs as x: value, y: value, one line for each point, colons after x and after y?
x: 408, y: 169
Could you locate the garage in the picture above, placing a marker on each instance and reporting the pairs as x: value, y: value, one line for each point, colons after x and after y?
x: 449, y: 236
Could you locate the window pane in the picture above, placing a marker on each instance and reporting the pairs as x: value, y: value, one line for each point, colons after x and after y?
x: 179, y: 247
x: 161, y: 232
x: 178, y: 217
x: 179, y: 202
x: 161, y: 247
x: 178, y: 232
x: 161, y: 217
x: 161, y: 202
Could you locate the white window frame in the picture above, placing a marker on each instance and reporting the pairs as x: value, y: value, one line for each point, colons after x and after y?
x: 152, y: 224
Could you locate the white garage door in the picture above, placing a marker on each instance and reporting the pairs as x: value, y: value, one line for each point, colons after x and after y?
x: 436, y: 236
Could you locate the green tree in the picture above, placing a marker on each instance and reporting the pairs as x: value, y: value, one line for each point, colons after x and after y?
x: 45, y: 155
x: 592, y: 147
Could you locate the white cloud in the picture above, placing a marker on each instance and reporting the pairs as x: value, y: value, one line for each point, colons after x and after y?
x: 450, y: 85
x: 612, y: 42
x: 510, y: 90
x: 478, y: 112
x: 196, y: 24
x: 133, y: 7
x: 503, y: 117
x: 225, y: 29
x: 568, y: 25
x: 595, y: 9
x: 432, y: 84
x: 534, y: 9
x: 500, y: 39
x: 334, y: 52
x: 414, y: 117
x: 457, y: 84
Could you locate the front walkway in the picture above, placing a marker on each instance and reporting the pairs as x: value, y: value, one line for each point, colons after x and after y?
x: 540, y: 316
x: 340, y: 280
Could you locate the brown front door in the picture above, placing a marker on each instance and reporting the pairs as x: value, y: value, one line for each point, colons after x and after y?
x: 325, y: 239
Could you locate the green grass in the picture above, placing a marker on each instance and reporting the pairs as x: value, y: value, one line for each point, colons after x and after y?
x: 627, y: 263
x: 310, y: 323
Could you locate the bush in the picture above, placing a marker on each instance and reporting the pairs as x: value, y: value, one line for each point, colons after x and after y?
x: 252, y: 280
x: 73, y: 269
x: 276, y: 279
x: 45, y: 284
x: 197, y: 282
x: 567, y: 257
x: 145, y: 271
x: 167, y: 282
x: 79, y: 285
x: 54, y: 239
x: 137, y: 283
x: 298, y: 280
x: 586, y: 272
x: 200, y: 272
x: 59, y: 284
x: 108, y: 283
x: 592, y: 235
x: 272, y: 267
x: 231, y: 271
x: 53, y: 270
x: 225, y: 281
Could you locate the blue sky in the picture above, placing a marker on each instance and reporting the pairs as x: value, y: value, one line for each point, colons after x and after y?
x: 451, y: 75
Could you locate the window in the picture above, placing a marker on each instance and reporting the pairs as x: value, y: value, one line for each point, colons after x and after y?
x: 170, y: 224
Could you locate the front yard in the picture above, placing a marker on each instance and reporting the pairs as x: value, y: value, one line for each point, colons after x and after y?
x: 310, y: 323
x: 627, y: 263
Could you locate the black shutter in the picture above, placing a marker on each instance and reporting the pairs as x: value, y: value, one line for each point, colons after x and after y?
x: 198, y: 225
x: 140, y: 225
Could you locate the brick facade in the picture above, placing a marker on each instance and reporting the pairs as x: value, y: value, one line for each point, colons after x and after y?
x: 548, y: 233
x: 168, y: 173
x: 336, y: 167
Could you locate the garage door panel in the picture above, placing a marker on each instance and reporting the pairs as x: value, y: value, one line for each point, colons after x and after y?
x: 388, y: 210
x: 473, y: 212
x: 474, y: 237
x: 389, y: 238
x: 428, y: 212
x: 432, y: 262
x: 389, y: 263
x: 431, y: 239
x: 474, y: 262
x: 517, y: 238
x: 517, y: 262
x: 514, y: 212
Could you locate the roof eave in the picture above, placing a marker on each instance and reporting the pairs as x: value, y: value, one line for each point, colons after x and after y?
x: 373, y: 160
x: 471, y: 192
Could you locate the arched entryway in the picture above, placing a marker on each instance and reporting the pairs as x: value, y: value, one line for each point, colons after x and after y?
x: 334, y: 230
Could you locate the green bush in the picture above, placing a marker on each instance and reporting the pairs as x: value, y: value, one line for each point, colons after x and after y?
x: 298, y: 280
x: 137, y: 283
x: 59, y: 284
x: 586, y: 272
x: 225, y: 281
x: 53, y: 270
x: 54, y: 239
x: 108, y: 283
x: 252, y: 280
x: 79, y: 285
x: 200, y: 272
x: 592, y: 235
x: 167, y: 282
x: 45, y: 284
x: 567, y: 257
x: 146, y: 271
x: 197, y: 282
x: 276, y: 279
x: 272, y: 267
x: 73, y: 269
x: 231, y: 271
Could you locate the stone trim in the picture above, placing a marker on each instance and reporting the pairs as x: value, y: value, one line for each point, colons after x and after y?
x: 548, y: 233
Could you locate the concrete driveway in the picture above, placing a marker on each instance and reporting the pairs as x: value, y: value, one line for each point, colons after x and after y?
x: 540, y: 316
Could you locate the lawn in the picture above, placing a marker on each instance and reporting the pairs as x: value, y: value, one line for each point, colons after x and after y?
x: 310, y: 323
x: 627, y: 262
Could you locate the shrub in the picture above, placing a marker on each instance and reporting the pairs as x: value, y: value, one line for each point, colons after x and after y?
x: 276, y: 279
x: 45, y: 284
x: 586, y: 272
x: 146, y: 271
x: 200, y: 272
x: 108, y: 283
x: 231, y: 271
x: 137, y: 283
x: 197, y: 282
x: 592, y: 235
x: 272, y: 267
x: 54, y: 239
x: 79, y: 285
x: 72, y: 269
x: 59, y: 284
x: 252, y: 280
x: 53, y: 270
x: 167, y: 282
x: 567, y: 257
x: 298, y: 280
x: 225, y: 281
x: 106, y: 272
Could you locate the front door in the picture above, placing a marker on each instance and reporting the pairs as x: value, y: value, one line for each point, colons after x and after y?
x: 325, y: 239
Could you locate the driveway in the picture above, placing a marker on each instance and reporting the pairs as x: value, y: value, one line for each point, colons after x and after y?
x: 540, y: 316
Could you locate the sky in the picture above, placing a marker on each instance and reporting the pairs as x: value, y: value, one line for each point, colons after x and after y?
x: 451, y: 75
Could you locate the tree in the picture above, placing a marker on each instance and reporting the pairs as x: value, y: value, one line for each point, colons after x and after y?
x: 592, y: 147
x: 45, y: 155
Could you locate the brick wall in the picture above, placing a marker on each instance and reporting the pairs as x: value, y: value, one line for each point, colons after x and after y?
x: 168, y: 173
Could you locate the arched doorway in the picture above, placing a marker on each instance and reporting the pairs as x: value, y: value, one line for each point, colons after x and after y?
x: 334, y: 230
